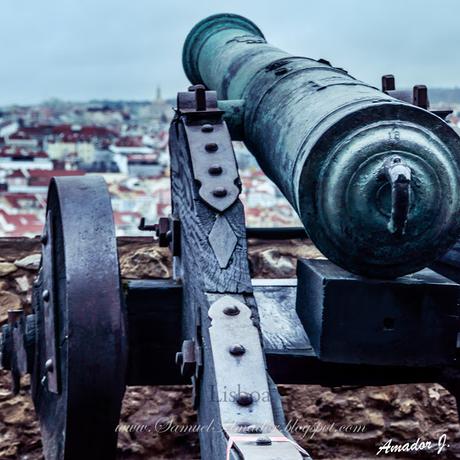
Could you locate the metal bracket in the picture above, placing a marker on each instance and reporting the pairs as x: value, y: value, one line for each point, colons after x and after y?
x: 18, y: 329
x: 18, y: 352
x: 242, y: 387
x: 398, y: 175
x: 167, y: 232
x: 189, y: 358
x: 51, y: 363
x: 418, y: 96
x: 13, y: 354
x: 210, y: 145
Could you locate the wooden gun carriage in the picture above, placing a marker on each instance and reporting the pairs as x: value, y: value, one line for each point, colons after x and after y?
x: 364, y: 320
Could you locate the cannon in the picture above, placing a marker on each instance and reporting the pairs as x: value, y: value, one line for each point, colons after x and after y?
x: 374, y: 177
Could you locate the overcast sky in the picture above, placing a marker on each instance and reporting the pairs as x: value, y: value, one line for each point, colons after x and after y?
x: 122, y: 49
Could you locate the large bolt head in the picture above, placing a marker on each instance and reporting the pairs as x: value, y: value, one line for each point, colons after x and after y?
x: 231, y: 310
x: 237, y: 350
x: 49, y: 366
x: 207, y: 128
x: 263, y: 441
x: 220, y: 192
x: 244, y: 399
x: 211, y: 147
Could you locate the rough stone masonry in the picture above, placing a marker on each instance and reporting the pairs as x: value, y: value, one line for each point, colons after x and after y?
x: 331, y: 423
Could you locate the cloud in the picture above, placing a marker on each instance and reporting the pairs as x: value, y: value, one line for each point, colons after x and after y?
x: 123, y: 49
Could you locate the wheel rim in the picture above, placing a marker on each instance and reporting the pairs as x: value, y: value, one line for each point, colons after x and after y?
x: 82, y: 274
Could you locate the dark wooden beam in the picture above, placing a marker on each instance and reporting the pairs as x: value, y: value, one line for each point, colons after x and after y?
x: 154, y: 310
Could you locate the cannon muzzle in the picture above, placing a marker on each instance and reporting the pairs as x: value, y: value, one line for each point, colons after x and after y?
x: 374, y: 180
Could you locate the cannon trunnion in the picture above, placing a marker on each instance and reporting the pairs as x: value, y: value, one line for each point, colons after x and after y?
x: 362, y: 169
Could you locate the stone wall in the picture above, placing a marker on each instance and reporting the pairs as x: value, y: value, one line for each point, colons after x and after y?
x: 399, y: 412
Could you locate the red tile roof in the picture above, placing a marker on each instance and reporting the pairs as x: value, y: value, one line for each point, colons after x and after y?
x: 129, y: 141
x: 17, y: 153
x: 42, y: 177
x: 55, y: 172
x: 17, y: 173
x: 85, y: 131
x: 22, y: 223
x: 16, y: 200
x: 20, y: 135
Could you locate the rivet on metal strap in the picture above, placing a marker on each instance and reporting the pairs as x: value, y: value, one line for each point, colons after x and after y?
x: 46, y: 295
x: 49, y: 366
x: 263, y: 441
x: 219, y: 192
x: 207, y: 128
x: 231, y: 310
x: 237, y: 350
x: 215, y: 170
x: 211, y: 147
x: 245, y: 399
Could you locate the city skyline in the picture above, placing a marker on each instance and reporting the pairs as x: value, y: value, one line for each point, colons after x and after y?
x: 121, y: 50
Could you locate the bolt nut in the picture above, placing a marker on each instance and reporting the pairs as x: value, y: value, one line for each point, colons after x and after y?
x: 211, y: 147
x: 237, y: 350
x: 215, y: 170
x: 231, y: 310
x: 263, y: 441
x: 245, y: 399
x: 207, y: 128
x: 219, y: 192
x: 163, y: 233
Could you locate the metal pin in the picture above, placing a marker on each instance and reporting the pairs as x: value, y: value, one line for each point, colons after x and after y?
x: 200, y: 97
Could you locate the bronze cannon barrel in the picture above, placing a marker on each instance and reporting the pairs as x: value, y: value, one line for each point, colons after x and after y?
x: 374, y: 180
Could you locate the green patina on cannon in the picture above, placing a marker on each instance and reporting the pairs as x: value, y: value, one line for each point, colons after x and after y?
x: 375, y: 180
